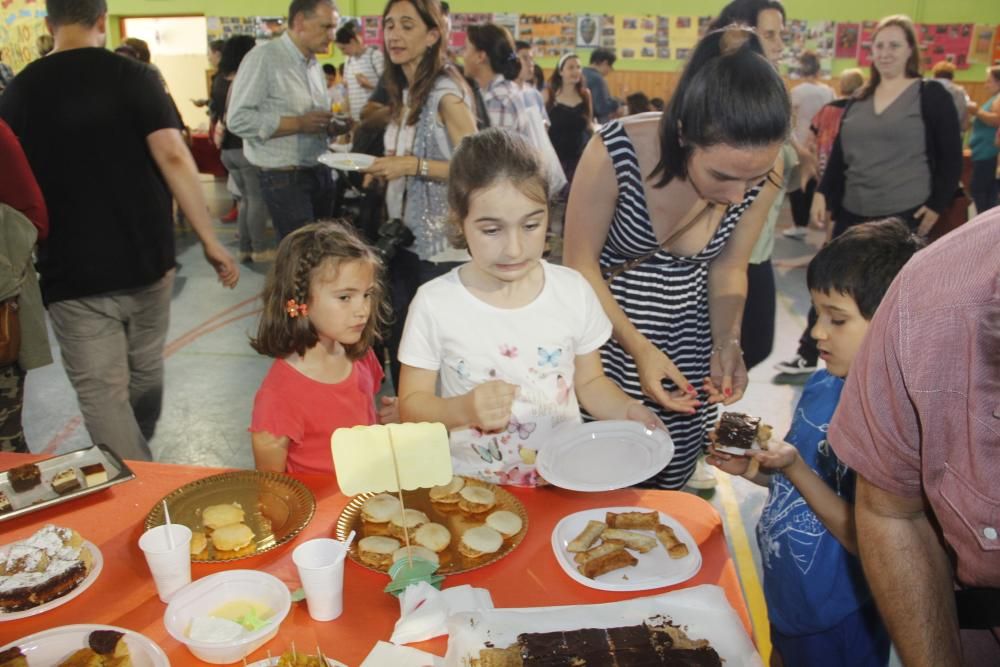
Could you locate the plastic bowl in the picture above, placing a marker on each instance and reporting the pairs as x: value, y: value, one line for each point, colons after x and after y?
x: 202, y: 597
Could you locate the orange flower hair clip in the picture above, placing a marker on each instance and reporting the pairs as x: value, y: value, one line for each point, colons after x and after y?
x: 294, y: 309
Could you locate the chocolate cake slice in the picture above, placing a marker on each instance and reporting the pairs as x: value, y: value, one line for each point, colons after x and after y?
x: 741, y: 431
x: 108, y: 642
x: 23, y: 478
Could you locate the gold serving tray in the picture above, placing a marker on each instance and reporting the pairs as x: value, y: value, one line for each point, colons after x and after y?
x: 450, y: 516
x: 277, y: 508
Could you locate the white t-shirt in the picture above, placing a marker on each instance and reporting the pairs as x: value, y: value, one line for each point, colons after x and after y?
x: 369, y: 64
x: 807, y: 99
x: 469, y: 342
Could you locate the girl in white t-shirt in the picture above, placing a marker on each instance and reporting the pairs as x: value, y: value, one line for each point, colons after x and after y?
x: 513, y: 340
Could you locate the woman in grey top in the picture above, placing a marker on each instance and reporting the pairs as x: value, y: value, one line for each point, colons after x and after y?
x: 899, y: 150
x: 430, y: 112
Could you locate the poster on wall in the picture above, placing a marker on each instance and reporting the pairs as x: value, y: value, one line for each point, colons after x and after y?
x: 945, y: 41
x: 981, y: 51
x: 21, y: 24
x: 507, y: 20
x: 642, y: 37
x: 549, y: 34
x: 816, y: 36
x: 459, y: 24
x: 371, y: 33
x: 588, y: 31
x: 847, y: 40
x: 683, y: 35
x: 865, y: 46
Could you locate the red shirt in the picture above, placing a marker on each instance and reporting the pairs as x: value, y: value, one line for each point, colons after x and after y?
x: 18, y: 187
x: 307, y: 412
x: 920, y: 413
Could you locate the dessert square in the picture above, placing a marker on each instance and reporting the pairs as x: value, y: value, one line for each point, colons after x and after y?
x: 23, y: 478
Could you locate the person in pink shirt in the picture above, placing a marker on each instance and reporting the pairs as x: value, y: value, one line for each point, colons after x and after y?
x: 324, y: 306
x: 919, y: 421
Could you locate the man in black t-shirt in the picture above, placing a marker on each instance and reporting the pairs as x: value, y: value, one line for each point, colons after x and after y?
x: 104, y: 144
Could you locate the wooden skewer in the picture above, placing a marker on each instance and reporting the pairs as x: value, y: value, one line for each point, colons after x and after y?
x: 295, y: 657
x: 322, y: 659
x: 399, y: 491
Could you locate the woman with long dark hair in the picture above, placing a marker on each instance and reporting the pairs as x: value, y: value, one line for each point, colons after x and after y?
x: 899, y: 150
x: 430, y: 109
x: 489, y: 59
x: 668, y: 208
x: 571, y: 112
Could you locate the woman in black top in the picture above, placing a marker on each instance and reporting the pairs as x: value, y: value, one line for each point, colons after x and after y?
x: 571, y: 113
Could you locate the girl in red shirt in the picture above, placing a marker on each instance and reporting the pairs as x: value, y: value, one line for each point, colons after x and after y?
x: 324, y: 306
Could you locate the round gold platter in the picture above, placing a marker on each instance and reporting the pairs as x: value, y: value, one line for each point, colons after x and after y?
x: 450, y: 516
x: 276, y: 509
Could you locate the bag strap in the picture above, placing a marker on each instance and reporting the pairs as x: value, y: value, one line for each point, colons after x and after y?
x: 612, y: 272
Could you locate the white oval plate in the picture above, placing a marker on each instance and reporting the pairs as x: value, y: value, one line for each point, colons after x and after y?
x: 52, y: 604
x: 347, y: 161
x: 273, y: 662
x: 604, y: 455
x: 656, y: 569
x: 50, y: 647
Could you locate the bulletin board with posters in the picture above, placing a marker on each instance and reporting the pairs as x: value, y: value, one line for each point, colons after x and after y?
x: 865, y: 43
x: 981, y: 51
x: 642, y: 37
x: 549, y: 34
x: 371, y: 30
x: 816, y: 36
x: 945, y: 41
x: 459, y: 23
x: 847, y: 41
x: 263, y: 28
x: 22, y: 22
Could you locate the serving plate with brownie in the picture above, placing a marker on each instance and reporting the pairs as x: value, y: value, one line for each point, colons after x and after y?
x: 76, y: 645
x: 693, y: 626
x: 34, y: 486
x: 625, y: 549
x: 738, y: 434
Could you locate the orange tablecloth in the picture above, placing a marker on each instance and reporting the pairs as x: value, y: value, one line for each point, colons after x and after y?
x: 124, y: 595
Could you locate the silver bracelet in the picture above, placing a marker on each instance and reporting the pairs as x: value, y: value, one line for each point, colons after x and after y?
x: 424, y: 168
x: 719, y: 347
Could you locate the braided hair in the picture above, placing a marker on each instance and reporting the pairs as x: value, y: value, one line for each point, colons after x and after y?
x: 302, y: 256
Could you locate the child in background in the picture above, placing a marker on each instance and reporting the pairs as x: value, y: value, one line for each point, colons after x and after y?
x: 513, y: 340
x: 820, y: 608
x: 324, y: 306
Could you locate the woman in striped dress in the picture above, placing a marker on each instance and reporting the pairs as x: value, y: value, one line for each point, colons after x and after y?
x: 684, y: 198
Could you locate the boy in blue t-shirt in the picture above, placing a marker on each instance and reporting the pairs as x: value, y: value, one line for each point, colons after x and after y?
x: 821, y: 611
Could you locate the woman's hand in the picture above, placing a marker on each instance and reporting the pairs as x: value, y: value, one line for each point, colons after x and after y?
x: 637, y: 412
x: 389, y: 412
x: 490, y: 405
x: 734, y: 465
x: 817, y: 213
x: 778, y: 455
x: 391, y: 168
x: 927, y: 218
x: 729, y: 374
x: 653, y: 367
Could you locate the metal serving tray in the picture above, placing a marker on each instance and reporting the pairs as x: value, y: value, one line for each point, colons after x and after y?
x: 42, y: 495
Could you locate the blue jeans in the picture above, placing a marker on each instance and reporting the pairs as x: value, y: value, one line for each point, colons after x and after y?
x: 296, y: 197
x: 983, y: 184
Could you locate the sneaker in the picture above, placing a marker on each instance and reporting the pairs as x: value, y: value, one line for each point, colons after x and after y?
x: 797, y: 365
x: 245, y: 257
x: 703, y: 477
x: 232, y: 215
x: 263, y: 256
x: 797, y: 233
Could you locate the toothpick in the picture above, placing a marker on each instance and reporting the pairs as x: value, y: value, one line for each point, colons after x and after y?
x: 295, y: 657
x: 399, y: 490
x: 322, y: 658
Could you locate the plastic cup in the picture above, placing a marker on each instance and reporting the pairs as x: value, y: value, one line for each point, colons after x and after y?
x: 320, y: 563
x: 171, y: 567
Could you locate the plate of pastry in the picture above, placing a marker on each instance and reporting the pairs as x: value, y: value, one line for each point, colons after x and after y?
x: 347, y: 161
x: 459, y: 526
x: 80, y: 645
x: 738, y: 434
x: 298, y: 658
x: 45, y: 570
x: 604, y: 455
x: 625, y: 549
x: 236, y: 515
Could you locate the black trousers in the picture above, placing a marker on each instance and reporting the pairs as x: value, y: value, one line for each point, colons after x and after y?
x: 800, y: 202
x: 757, y: 332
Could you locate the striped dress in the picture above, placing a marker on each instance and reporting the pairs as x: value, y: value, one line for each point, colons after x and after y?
x: 666, y: 299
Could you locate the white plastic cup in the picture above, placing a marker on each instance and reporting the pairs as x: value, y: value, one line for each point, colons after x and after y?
x: 171, y: 567
x: 320, y: 563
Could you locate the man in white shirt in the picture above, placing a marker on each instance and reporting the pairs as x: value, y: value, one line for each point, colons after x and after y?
x: 281, y: 108
x: 362, y: 70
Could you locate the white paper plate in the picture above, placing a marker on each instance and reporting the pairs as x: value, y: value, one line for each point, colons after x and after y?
x: 739, y: 451
x: 656, y: 568
x: 272, y: 662
x: 604, y: 455
x: 91, y: 577
x: 50, y: 647
x: 346, y: 161
x: 703, y: 611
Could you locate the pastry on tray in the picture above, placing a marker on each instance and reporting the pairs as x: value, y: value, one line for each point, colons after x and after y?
x: 411, y: 519
x: 506, y: 523
x: 377, y: 550
x: 433, y: 536
x: 380, y: 508
x: 738, y: 433
x: 476, y: 499
x: 5, y: 504
x: 65, y: 481
x: 480, y: 541
x: 216, y: 516
x: 94, y: 474
x: 43, y: 567
x: 23, y: 478
x: 447, y: 493
x: 232, y: 537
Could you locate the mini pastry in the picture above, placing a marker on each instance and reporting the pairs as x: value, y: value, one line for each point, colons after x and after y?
x: 417, y: 552
x: 412, y: 519
x: 633, y: 520
x: 5, y: 504
x: 596, y: 552
x: 94, y: 474
x: 613, y: 560
x: 24, y: 477
x: 377, y: 550
x: 447, y: 493
x: 232, y: 537
x: 198, y: 542
x: 476, y: 499
x: 506, y: 523
x: 635, y: 541
x: 216, y: 516
x: 434, y: 536
x: 380, y: 508
x: 109, y: 643
x: 65, y: 481
x: 675, y: 548
x: 741, y: 431
x: 587, y: 537
x: 479, y: 541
